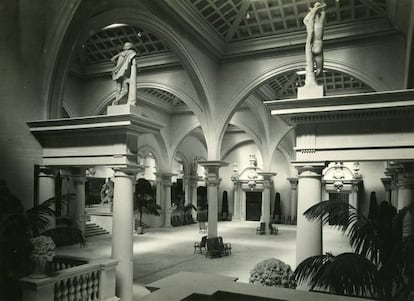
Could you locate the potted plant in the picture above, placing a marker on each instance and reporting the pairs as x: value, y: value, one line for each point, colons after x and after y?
x: 44, y: 250
x: 144, y: 202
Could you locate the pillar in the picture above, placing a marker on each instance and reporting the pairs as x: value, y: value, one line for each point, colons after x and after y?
x: 187, y: 192
x: 293, y: 198
x: 79, y: 208
x: 122, y: 232
x: 237, y: 200
x: 353, y: 196
x: 213, y: 181
x: 387, y: 182
x: 158, y: 181
x: 165, y: 195
x: 193, y: 181
x: 267, y: 184
x: 405, y: 189
x: 46, y: 190
x: 308, y: 233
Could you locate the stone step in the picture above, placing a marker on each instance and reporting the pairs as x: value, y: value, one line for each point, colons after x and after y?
x: 92, y: 229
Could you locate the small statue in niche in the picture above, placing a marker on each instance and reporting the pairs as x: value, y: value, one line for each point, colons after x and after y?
x: 314, y: 22
x: 125, y: 74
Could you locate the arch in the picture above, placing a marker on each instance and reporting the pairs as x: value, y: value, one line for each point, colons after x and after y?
x: 289, y: 65
x: 183, y: 160
x: 182, y: 137
x: 235, y: 146
x: 182, y: 95
x: 132, y: 16
x: 149, y: 149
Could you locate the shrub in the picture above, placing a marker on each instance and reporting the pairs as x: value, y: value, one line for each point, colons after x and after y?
x: 272, y: 272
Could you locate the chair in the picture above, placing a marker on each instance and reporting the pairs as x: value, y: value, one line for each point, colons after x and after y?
x: 273, y: 229
x: 261, y: 229
x: 226, y: 247
x: 203, y: 228
x: 200, y: 245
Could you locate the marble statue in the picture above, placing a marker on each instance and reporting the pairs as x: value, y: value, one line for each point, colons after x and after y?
x: 314, y: 22
x: 125, y: 74
x: 107, y: 192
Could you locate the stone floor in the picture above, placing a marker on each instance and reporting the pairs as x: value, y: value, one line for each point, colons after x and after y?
x: 161, y: 252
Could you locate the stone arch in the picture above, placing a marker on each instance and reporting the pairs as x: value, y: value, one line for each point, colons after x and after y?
x: 57, y: 74
x: 288, y: 66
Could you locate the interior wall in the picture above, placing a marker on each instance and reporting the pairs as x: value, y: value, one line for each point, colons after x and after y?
x: 73, y: 95
x: 22, y: 31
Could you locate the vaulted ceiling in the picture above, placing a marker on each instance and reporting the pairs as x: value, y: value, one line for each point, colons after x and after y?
x: 229, y: 27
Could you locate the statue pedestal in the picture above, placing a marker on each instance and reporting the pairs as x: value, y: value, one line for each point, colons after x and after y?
x: 123, y: 109
x: 310, y: 91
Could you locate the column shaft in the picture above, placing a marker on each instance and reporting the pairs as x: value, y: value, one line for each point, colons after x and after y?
x: 308, y: 233
x: 46, y: 190
x: 122, y: 233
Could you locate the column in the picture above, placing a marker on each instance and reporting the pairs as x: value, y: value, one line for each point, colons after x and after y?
x: 388, y: 188
x: 187, y: 194
x: 308, y: 233
x: 158, y: 181
x: 293, y: 199
x: 353, y: 196
x: 46, y: 190
x: 236, y: 200
x: 165, y: 195
x: 193, y: 192
x: 79, y: 206
x: 213, y: 181
x: 405, y: 189
x: 267, y: 182
x: 122, y: 232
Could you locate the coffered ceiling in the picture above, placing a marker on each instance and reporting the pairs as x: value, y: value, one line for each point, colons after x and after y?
x: 230, y: 28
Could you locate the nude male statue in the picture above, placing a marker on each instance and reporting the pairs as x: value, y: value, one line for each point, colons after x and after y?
x: 314, y: 22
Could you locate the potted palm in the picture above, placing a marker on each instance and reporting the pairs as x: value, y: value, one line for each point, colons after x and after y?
x: 381, y: 265
x: 144, y: 202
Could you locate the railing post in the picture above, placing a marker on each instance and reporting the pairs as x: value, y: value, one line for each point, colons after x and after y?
x: 37, y: 289
x: 107, y: 281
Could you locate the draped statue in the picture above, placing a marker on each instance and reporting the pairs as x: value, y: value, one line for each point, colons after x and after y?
x: 125, y: 74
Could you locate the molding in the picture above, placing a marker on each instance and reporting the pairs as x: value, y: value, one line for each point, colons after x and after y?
x: 363, y: 28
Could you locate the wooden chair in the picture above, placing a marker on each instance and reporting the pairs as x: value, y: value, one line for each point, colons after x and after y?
x: 261, y: 229
x: 200, y: 245
x: 203, y: 228
x: 226, y: 247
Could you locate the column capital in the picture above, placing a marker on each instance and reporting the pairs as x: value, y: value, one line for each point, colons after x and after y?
x: 293, y: 182
x: 46, y: 171
x: 267, y: 175
x: 124, y: 172
x: 387, y: 182
x: 213, y: 166
x: 309, y: 169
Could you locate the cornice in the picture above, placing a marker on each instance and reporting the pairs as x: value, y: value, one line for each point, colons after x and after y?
x: 363, y: 28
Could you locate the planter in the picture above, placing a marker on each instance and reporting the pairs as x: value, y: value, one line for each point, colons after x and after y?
x: 39, y: 263
x: 140, y: 229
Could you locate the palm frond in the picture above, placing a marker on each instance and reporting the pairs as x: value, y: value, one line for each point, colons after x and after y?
x: 39, y: 218
x: 63, y: 236
x: 361, y: 231
x: 346, y: 274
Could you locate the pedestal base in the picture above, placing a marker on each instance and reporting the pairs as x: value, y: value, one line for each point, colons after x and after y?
x: 311, y: 91
x: 123, y: 109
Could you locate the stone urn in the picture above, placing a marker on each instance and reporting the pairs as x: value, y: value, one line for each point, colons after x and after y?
x: 44, y: 250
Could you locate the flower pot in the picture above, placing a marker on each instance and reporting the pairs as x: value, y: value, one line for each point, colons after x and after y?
x: 39, y: 265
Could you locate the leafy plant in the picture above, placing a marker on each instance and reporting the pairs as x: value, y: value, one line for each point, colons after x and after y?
x: 17, y: 227
x: 381, y: 265
x: 143, y: 201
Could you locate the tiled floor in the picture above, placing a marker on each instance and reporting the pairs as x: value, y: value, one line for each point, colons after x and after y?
x: 162, y: 252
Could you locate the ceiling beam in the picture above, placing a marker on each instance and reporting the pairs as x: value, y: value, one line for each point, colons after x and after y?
x: 240, y: 15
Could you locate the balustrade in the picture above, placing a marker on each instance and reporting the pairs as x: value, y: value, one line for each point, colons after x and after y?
x: 73, y: 279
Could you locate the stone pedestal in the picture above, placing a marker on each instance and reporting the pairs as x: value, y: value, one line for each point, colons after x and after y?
x: 122, y: 232
x: 123, y: 109
x: 310, y: 91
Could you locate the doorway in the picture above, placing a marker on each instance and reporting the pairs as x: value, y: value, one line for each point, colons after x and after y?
x: 253, y: 205
x: 338, y: 197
